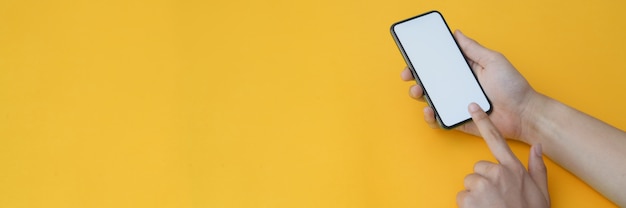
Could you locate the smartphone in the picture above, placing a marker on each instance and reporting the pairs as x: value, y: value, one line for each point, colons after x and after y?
x: 439, y: 66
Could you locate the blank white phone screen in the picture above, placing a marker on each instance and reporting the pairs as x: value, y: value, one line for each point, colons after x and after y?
x: 441, y: 68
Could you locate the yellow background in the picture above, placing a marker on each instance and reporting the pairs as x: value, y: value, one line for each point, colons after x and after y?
x: 278, y: 103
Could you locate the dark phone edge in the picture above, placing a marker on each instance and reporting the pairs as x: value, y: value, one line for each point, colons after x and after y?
x: 408, y: 62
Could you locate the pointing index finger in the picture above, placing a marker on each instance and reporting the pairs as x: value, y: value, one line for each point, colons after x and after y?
x: 497, y: 144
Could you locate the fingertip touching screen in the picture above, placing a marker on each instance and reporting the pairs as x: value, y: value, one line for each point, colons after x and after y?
x: 431, y: 51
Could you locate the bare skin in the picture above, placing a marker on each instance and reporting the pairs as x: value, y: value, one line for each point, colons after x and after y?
x: 589, y: 148
x: 506, y: 183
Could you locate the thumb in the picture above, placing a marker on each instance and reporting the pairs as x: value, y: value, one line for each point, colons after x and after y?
x: 473, y: 50
x: 537, y: 169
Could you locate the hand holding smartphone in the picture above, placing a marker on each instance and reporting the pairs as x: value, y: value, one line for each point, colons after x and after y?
x: 439, y: 66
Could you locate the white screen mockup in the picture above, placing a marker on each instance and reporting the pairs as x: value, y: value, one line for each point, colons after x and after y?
x: 441, y: 68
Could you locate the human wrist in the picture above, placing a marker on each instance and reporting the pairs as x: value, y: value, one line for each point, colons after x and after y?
x: 537, y: 106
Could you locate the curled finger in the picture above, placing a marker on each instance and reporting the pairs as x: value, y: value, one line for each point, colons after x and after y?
x: 406, y: 74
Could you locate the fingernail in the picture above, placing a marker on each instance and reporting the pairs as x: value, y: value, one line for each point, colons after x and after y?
x: 537, y: 150
x: 473, y: 107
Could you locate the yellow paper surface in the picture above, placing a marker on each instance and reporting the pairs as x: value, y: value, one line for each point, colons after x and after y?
x: 231, y: 103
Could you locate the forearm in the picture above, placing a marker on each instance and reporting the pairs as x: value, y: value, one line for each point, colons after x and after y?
x: 589, y: 148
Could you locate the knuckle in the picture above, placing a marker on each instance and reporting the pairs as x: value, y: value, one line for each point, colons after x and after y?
x: 460, y: 195
x: 462, y: 198
x: 481, y: 183
x: 542, y: 168
x: 467, y: 181
x: 477, y: 166
x: 520, y: 171
x: 459, y: 199
x: 497, y: 171
x: 482, y: 166
x: 516, y: 170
